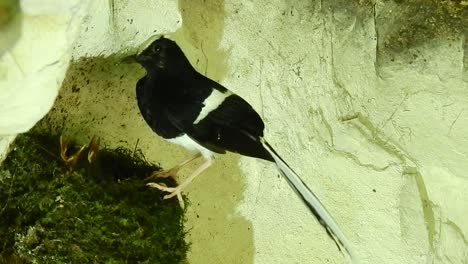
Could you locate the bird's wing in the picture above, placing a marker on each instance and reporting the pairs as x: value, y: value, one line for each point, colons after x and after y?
x: 233, y: 125
x: 235, y: 113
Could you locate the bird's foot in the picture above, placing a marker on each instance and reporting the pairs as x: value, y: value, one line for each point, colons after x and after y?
x: 173, y: 191
x: 164, y: 174
x: 176, y: 191
x: 171, y: 172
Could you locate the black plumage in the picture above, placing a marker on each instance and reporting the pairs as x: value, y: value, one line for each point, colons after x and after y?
x: 187, y: 108
x: 170, y: 98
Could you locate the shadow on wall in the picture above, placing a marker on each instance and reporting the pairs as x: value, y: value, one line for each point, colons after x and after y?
x: 97, y: 98
x: 403, y: 26
x: 202, y: 28
x: 10, y: 24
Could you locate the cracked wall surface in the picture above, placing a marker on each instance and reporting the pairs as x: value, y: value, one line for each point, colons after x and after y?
x: 366, y: 100
x: 371, y: 96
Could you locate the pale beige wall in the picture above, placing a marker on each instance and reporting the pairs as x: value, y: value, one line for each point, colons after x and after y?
x: 366, y: 102
x: 32, y: 69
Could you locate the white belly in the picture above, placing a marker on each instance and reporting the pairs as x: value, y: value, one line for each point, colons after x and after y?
x: 189, y: 144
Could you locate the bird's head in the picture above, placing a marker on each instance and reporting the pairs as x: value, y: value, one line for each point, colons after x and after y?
x: 163, y: 55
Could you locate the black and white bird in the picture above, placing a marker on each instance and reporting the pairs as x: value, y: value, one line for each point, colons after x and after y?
x: 186, y: 108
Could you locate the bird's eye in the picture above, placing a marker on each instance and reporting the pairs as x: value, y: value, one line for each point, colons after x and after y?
x: 156, y: 48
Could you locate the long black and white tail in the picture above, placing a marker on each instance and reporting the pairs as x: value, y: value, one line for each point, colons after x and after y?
x: 312, y: 202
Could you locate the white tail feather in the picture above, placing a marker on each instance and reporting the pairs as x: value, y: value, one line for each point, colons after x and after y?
x: 311, y: 201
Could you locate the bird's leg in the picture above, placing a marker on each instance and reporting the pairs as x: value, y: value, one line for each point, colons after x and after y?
x: 173, y: 171
x: 173, y: 191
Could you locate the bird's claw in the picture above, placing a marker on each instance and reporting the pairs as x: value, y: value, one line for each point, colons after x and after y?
x: 173, y: 191
x: 164, y: 174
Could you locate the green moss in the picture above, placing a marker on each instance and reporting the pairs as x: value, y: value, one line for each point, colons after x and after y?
x: 99, y: 213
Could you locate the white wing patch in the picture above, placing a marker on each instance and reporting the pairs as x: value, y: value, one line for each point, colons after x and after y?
x: 215, y: 99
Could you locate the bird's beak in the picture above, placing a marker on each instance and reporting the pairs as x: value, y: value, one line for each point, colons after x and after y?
x: 140, y: 58
x: 129, y: 59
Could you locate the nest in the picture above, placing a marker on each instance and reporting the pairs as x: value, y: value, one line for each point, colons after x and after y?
x: 95, y: 210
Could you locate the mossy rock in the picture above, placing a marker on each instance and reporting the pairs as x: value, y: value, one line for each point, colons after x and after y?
x: 99, y: 213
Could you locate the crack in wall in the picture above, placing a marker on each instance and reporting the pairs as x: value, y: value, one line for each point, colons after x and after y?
x: 375, y: 135
x: 457, y: 230
x: 377, y: 35
x: 275, y: 50
x: 392, y: 148
x: 347, y: 97
x: 111, y: 6
x: 408, y: 169
x: 465, y: 58
x: 18, y: 65
x: 356, y: 160
x: 454, y: 121
x: 427, y: 206
x: 323, y: 121
x: 343, y: 153
x: 394, y: 111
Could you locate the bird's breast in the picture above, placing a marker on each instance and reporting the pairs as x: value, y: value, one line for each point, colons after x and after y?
x: 153, y: 105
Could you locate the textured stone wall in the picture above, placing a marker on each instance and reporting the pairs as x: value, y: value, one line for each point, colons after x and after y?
x: 367, y: 101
